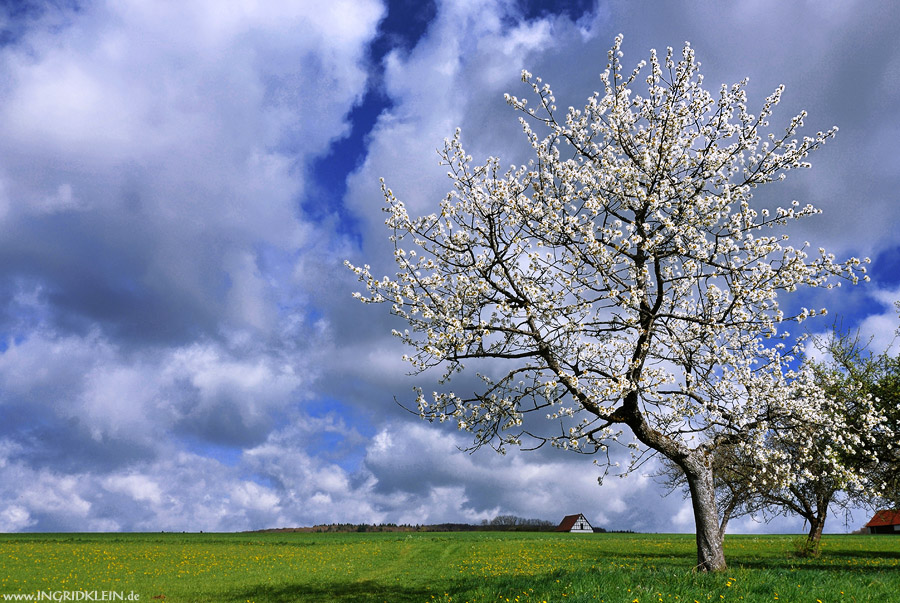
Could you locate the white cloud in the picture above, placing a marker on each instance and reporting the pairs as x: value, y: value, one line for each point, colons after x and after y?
x: 683, y: 520
x: 249, y: 495
x: 141, y: 397
x: 882, y: 330
x: 62, y: 200
x: 15, y: 518
x: 54, y: 494
x: 878, y: 332
x: 138, y: 487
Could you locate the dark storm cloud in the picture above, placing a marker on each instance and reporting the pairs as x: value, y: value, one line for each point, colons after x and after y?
x: 71, y: 446
x: 87, y: 272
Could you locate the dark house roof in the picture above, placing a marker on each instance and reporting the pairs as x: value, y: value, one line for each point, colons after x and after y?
x: 884, y: 518
x: 568, y: 521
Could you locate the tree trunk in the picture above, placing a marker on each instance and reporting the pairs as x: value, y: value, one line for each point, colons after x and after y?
x: 697, y: 466
x: 722, y: 526
x: 813, y: 540
x: 710, y: 553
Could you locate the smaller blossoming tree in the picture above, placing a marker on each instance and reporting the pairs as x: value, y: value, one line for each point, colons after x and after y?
x: 852, y: 380
x: 621, y: 281
x: 862, y: 393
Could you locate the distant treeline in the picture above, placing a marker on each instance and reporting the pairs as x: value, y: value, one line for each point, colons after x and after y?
x: 438, y: 527
x: 501, y: 523
x: 511, y: 521
x: 349, y: 527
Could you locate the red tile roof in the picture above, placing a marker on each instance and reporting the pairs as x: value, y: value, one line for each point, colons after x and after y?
x: 884, y: 518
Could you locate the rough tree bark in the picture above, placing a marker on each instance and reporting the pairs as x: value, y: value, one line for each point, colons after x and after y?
x: 710, y: 552
x: 816, y: 525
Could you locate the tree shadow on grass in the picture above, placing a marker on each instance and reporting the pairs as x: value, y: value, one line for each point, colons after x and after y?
x: 875, y: 554
x: 653, y: 557
x: 831, y: 561
x: 366, y: 591
x: 824, y: 565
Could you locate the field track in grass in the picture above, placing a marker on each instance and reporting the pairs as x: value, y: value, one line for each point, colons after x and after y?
x: 428, y: 567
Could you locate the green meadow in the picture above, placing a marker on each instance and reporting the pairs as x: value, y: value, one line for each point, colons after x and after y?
x: 428, y: 567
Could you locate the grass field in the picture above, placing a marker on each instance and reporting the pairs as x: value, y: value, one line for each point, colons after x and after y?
x: 428, y: 567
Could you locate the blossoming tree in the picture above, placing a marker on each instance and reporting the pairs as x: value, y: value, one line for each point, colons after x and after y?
x: 620, y: 282
x: 854, y: 381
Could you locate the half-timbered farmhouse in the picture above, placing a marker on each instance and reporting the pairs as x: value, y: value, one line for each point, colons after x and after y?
x: 576, y: 524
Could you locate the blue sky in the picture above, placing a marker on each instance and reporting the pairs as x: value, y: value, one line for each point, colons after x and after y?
x: 180, y: 184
